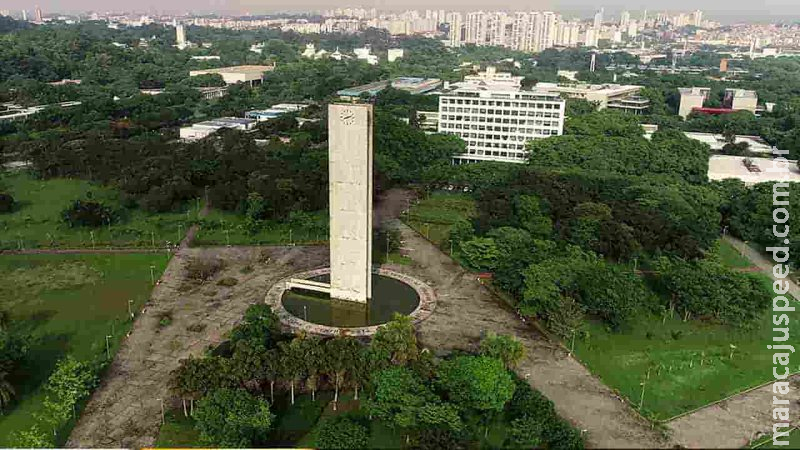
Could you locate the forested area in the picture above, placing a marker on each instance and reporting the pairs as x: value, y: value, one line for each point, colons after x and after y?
x: 428, y: 402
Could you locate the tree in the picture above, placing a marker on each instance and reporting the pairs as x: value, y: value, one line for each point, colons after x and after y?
x: 233, y: 418
x: 503, y: 347
x: 340, y: 357
x: 342, y: 432
x: 292, y: 366
x: 397, y: 396
x: 259, y: 324
x: 313, y: 363
x: 396, y: 341
x: 733, y: 298
x: 88, y: 213
x: 480, y: 383
x: 532, y: 217
x: 6, y: 203
x: 196, y: 377
x: 480, y: 253
x: 7, y: 391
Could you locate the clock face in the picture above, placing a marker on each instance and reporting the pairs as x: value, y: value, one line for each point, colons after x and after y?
x: 347, y: 116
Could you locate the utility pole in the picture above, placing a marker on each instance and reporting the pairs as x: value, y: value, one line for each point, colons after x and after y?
x: 153, y: 275
x: 130, y: 310
x: 108, y: 347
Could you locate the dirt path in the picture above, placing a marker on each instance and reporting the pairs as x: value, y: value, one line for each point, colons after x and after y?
x: 465, y: 310
x: 125, y: 411
x: 735, y: 422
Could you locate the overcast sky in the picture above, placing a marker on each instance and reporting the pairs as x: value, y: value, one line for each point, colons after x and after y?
x: 722, y: 10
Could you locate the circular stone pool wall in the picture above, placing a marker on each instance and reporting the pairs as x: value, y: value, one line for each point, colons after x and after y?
x: 393, y: 292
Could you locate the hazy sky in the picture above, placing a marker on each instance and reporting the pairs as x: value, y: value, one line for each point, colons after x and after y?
x: 723, y: 10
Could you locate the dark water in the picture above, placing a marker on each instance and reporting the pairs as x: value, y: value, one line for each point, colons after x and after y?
x: 389, y: 296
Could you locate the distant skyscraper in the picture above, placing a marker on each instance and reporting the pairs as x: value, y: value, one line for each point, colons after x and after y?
x: 624, y: 19
x: 454, y: 20
x: 475, y: 28
x: 180, y: 35
x: 598, y: 18
x: 39, y: 14
x: 24, y: 15
x: 697, y: 18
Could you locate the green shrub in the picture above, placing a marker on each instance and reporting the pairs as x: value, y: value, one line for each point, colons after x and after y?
x: 233, y: 418
x: 342, y: 432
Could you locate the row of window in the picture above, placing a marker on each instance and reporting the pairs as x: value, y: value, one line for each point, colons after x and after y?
x: 459, y: 119
x: 507, y: 104
x: 501, y: 112
x: 472, y: 145
x: 449, y: 127
x: 498, y: 153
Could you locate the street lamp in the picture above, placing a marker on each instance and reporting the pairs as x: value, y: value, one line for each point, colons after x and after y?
x: 108, y: 348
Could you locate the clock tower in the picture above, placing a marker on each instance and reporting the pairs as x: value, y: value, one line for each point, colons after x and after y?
x: 350, y: 190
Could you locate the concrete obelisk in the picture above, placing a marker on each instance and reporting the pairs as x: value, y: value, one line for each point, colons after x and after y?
x: 350, y: 190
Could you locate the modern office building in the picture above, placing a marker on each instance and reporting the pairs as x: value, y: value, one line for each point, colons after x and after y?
x: 692, y: 98
x: 237, y: 74
x: 212, y: 92
x: 740, y: 99
x: 497, y: 120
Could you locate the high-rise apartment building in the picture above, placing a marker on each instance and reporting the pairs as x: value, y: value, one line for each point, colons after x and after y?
x: 475, y: 28
x: 455, y: 22
x: 496, y: 118
x: 39, y: 16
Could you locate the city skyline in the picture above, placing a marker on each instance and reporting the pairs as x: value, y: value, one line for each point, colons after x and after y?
x: 772, y: 11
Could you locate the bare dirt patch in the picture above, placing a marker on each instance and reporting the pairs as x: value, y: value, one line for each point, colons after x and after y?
x: 125, y: 411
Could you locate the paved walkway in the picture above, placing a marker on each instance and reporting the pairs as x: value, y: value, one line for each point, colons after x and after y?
x: 761, y: 261
x: 125, y: 411
x: 465, y: 310
x: 733, y: 423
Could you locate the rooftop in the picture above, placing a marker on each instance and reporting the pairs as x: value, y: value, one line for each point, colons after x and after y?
x: 250, y: 69
x: 722, y: 167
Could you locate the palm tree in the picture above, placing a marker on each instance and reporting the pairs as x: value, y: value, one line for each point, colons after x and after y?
x: 6, y: 391
x: 340, y: 356
x: 292, y: 367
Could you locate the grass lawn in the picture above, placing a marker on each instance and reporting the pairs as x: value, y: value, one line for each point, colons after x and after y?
x: 37, y: 221
x: 69, y: 303
x: 228, y: 228
x: 731, y: 257
x: 433, y: 217
x: 689, y: 363
x: 177, y: 432
x: 794, y: 441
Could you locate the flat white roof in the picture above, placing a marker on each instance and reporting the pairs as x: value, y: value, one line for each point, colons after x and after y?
x: 721, y: 167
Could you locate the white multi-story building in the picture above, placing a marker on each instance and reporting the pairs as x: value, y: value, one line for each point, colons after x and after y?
x: 496, y: 120
x: 455, y: 22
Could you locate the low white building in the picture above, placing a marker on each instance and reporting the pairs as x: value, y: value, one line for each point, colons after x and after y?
x: 616, y: 96
x: 237, y: 74
x: 395, y: 54
x: 12, y: 112
x: 203, y: 129
x: 262, y: 115
x: 752, y: 170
